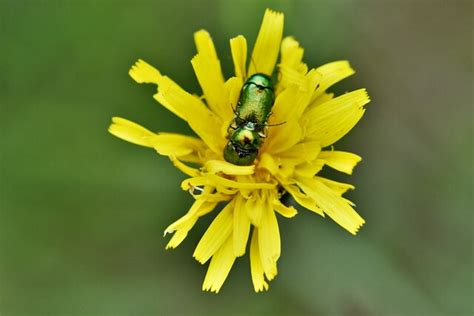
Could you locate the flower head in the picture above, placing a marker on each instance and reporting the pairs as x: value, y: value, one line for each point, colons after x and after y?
x: 304, y: 121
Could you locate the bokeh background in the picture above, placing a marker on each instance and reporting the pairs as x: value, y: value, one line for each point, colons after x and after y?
x: 82, y: 213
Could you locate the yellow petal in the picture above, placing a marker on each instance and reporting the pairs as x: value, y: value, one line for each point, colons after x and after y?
x: 256, y: 268
x: 283, y: 104
x: 299, y: 100
x: 267, y: 46
x: 340, y: 160
x: 219, y: 230
x: 283, y: 210
x: 189, y: 107
x: 192, y: 172
x: 213, y: 197
x: 268, y: 162
x: 332, y: 204
x: 219, y: 268
x: 240, y: 185
x: 208, y: 71
x: 189, y: 183
x: 296, y: 98
x: 217, y: 166
x: 283, y: 137
x: 193, y: 211
x: 255, y: 207
x: 204, y: 44
x: 309, y: 169
x: 238, y: 48
x: 182, y: 226
x: 181, y: 233
x: 292, y: 69
x: 210, y: 79
x: 169, y: 144
x: 291, y: 52
x: 143, y: 72
x: 302, y: 199
x: 330, y: 121
x: 184, y: 105
x: 288, y: 132
x: 324, y: 97
x: 166, y: 144
x: 269, y: 242
x: 332, y: 73
x: 288, y: 108
x: 131, y: 132
x: 229, y: 100
x: 302, y: 152
x: 241, y: 227
x: 206, y: 180
x: 338, y: 187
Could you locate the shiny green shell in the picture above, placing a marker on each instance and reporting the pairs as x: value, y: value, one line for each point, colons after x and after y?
x: 251, y: 115
x: 256, y: 100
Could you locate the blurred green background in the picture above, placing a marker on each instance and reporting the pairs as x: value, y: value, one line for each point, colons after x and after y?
x: 82, y: 213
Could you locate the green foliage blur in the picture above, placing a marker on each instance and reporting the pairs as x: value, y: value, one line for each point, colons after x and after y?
x: 82, y: 213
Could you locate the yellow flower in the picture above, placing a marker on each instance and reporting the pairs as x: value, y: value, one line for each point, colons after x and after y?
x: 288, y: 161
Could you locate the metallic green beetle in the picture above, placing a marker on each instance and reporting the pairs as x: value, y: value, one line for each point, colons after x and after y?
x: 247, y: 130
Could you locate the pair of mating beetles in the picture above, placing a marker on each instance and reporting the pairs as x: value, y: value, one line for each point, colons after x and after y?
x: 247, y: 131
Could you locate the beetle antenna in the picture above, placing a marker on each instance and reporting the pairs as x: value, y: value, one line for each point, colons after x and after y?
x: 278, y: 124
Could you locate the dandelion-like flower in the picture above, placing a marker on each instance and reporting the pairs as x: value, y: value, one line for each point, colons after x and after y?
x: 305, y: 121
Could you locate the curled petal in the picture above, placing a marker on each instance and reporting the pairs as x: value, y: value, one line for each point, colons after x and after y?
x: 283, y: 210
x: 206, y: 180
x: 192, y: 172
